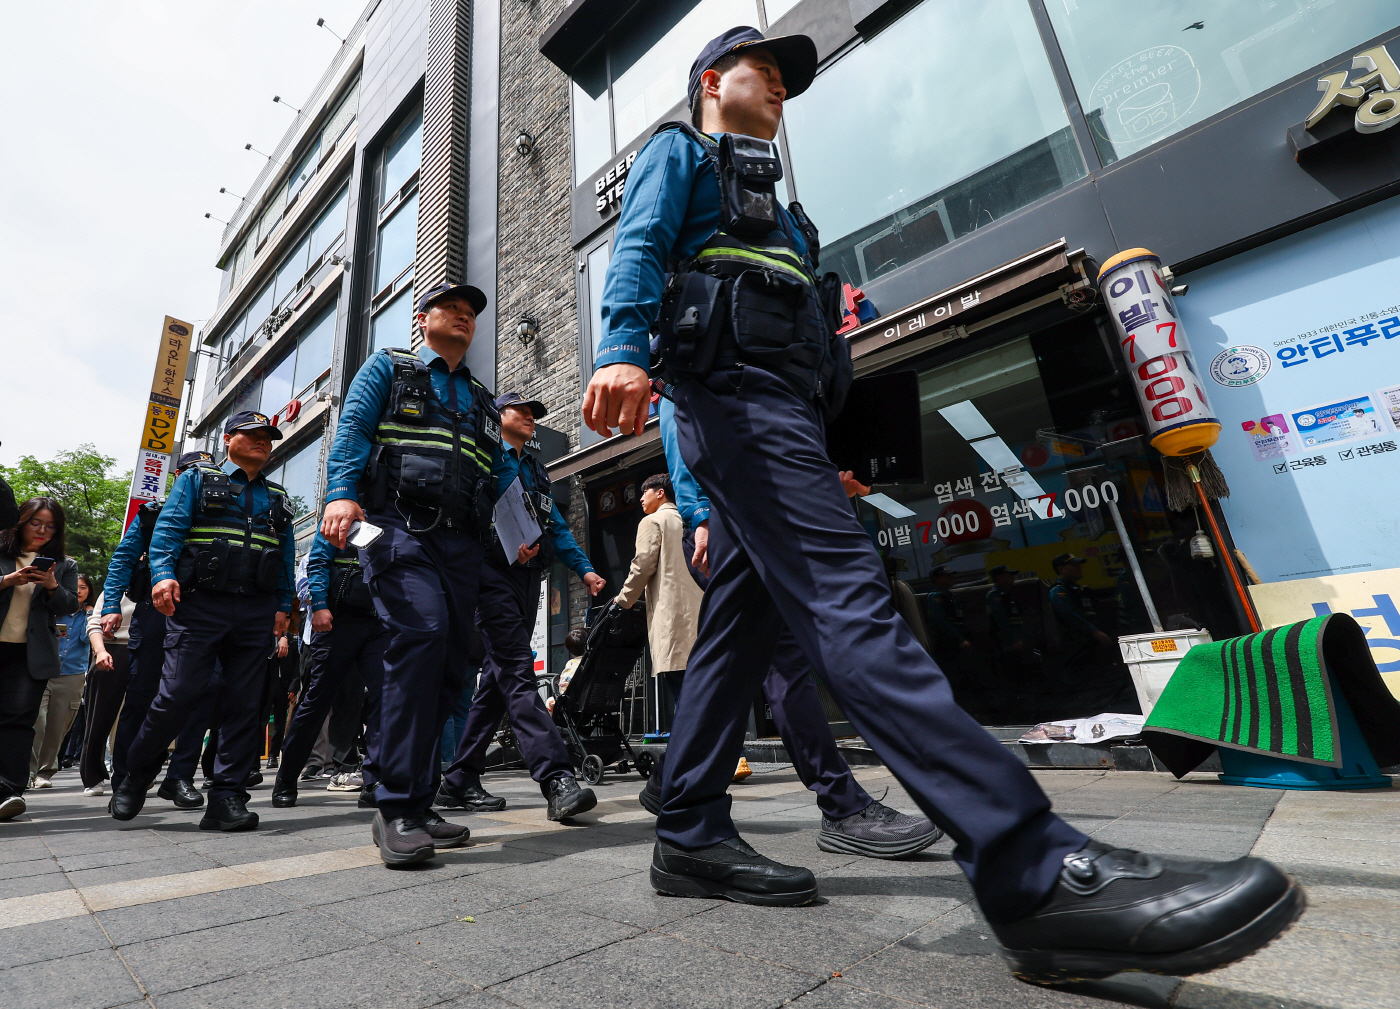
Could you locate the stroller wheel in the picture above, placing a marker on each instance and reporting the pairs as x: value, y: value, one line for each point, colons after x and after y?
x: 593, y: 769
x: 645, y: 764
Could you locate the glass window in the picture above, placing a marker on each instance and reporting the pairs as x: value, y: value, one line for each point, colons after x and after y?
x: 402, y: 157
x: 299, y: 476
x: 329, y: 226
x: 393, y: 326
x: 597, y: 271
x: 277, y: 384
x: 291, y: 271
x: 314, y: 347
x: 922, y: 161
x: 397, y: 240
x: 777, y: 8
x: 304, y: 170
x: 259, y: 310
x: 1146, y: 71
x: 592, y: 132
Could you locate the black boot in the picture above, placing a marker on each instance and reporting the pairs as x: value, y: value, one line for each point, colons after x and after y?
x: 444, y: 834
x: 368, y: 800
x: 471, y: 796
x: 181, y: 792
x: 566, y: 799
x: 1113, y: 909
x: 650, y: 795
x: 730, y: 870
x: 128, y: 797
x: 254, y: 778
x: 228, y: 814
x: 284, y: 792
x: 402, y: 840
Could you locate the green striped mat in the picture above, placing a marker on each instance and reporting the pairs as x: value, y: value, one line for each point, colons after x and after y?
x: 1274, y: 693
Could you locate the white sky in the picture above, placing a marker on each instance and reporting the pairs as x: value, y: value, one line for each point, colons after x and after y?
x: 121, y: 121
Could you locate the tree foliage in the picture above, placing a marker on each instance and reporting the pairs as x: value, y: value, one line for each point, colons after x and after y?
x: 93, y: 499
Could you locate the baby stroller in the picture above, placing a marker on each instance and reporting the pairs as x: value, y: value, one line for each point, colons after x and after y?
x: 587, y: 713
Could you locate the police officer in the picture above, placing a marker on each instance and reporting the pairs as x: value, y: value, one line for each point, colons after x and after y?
x: 221, y: 572
x: 1007, y: 622
x: 1074, y: 610
x: 752, y: 387
x: 415, y: 448
x: 946, y: 619
x: 130, y: 572
x: 510, y: 593
x: 347, y: 637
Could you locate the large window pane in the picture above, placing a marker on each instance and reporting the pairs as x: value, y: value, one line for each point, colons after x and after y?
x: 592, y: 135
x: 651, y: 63
x: 277, y: 384
x: 777, y: 8
x: 598, y: 261
x: 402, y: 157
x: 933, y: 162
x: 291, y: 271
x: 259, y: 310
x: 396, y: 243
x: 299, y: 475
x: 328, y: 226
x: 393, y: 326
x: 1143, y: 71
x: 304, y: 170
x: 314, y: 350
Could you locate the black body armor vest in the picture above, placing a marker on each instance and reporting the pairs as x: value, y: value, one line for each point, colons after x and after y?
x: 224, y: 552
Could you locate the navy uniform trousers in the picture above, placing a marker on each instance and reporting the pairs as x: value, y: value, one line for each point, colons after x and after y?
x: 785, y: 547
x: 355, y: 643
x: 236, y: 631
x: 425, y: 591
x: 506, y: 616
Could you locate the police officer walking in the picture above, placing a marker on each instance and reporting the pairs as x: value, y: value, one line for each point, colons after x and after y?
x: 1075, y: 613
x: 414, y: 450
x: 946, y: 620
x: 1008, y: 622
x: 752, y: 387
x: 510, y: 594
x: 221, y: 571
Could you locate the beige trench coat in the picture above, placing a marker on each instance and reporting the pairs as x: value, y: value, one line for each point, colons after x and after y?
x: 673, y: 598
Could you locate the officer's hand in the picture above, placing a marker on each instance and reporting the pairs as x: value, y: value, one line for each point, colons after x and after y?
x: 110, y: 624
x: 594, y: 582
x: 618, y: 396
x: 282, y: 647
x: 280, y: 623
x: 852, y: 486
x: 965, y: 645
x: 338, y: 518
x: 165, y: 594
x: 526, y: 554
x: 103, y: 660
x: 321, y: 621
x: 701, y: 557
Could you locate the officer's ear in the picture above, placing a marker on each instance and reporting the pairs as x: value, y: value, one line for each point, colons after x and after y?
x: 227, y: 439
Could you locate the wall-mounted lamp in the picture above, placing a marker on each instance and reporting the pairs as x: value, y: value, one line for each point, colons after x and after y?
x: 229, y: 192
x: 527, y: 329
x: 524, y: 144
x: 321, y: 23
x: 277, y: 100
x: 213, y: 218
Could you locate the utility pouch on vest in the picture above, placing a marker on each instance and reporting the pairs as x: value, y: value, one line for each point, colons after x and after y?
x: 748, y: 169
x: 348, y: 588
x: 483, y: 508
x: 809, y: 232
x: 265, y: 574
x: 282, y: 514
x: 421, y: 479
x: 211, y: 566
x: 692, y: 318
x: 374, y: 486
x: 215, y: 492
x: 764, y: 307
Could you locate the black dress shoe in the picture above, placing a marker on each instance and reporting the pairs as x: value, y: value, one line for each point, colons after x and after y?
x: 566, y: 799
x: 128, y: 797
x: 272, y: 763
x: 368, y: 800
x: 1113, y: 909
x: 730, y: 870
x: 228, y: 814
x: 402, y: 840
x: 650, y: 795
x: 254, y: 778
x: 284, y: 793
x: 181, y: 792
x: 444, y: 834
x: 471, y: 797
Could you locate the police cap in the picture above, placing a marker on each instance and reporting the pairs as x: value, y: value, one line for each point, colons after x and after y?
x: 432, y: 296
x: 796, y: 56
x: 1062, y: 559
x: 1002, y: 569
x: 193, y: 459
x: 251, y: 420
x: 940, y: 571
x: 518, y: 399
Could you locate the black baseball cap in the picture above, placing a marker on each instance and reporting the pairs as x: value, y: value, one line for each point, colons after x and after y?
x: 796, y: 56
x: 474, y: 296
x: 193, y: 459
x: 939, y: 572
x: 251, y: 420
x: 1062, y: 559
x: 517, y: 399
x: 1002, y: 569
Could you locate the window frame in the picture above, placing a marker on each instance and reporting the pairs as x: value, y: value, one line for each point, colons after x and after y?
x: 588, y: 340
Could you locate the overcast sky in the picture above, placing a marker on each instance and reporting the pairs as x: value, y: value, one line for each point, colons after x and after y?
x: 121, y: 121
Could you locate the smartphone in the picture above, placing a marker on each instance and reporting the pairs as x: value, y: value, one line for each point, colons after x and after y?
x: 42, y: 563
x: 362, y: 534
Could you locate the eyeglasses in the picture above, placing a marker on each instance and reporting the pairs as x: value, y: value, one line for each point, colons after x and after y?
x: 43, y: 527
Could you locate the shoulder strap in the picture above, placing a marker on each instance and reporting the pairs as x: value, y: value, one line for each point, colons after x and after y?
x: 489, y: 418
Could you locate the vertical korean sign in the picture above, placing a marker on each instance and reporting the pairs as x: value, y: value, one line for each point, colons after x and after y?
x: 162, y: 421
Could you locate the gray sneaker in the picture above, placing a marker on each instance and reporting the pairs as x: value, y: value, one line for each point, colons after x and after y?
x: 346, y: 781
x: 878, y: 831
x: 402, y: 840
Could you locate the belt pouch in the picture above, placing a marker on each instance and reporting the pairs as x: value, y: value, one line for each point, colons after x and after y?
x: 211, y: 568
x: 765, y: 314
x: 421, y: 479
x: 269, y: 561
x: 696, y: 317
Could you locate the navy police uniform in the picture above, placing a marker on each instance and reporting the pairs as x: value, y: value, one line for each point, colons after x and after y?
x: 752, y: 387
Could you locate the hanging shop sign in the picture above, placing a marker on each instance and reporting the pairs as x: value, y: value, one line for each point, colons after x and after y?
x: 161, y: 425
x: 1152, y: 338
x: 1373, y: 91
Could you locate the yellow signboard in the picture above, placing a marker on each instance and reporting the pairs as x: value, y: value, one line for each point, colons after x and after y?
x: 161, y: 430
x: 171, y: 361
x: 161, y: 427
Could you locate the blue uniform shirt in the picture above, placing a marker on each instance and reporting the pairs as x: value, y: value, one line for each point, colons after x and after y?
x: 318, y: 570
x: 121, y: 566
x: 365, y: 405
x: 670, y: 209
x: 691, y: 501
x: 74, y: 647
x: 177, y: 517
x: 504, y: 469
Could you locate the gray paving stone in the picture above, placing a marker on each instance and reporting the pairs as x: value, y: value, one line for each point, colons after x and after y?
x: 328, y: 888
x: 1195, y: 995
x: 657, y: 971
x: 92, y: 980
x: 175, y: 861
x: 250, y: 848
x: 82, y: 861
x: 22, y: 849
x: 25, y: 886
x: 128, y: 925
x: 49, y: 940
x: 631, y: 900
x: 552, y: 875
x: 27, y: 867
x: 836, y: 995
x: 416, y: 907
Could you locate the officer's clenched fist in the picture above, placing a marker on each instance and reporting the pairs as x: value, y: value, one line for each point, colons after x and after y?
x: 338, y: 518
x: 618, y: 396
x: 165, y: 594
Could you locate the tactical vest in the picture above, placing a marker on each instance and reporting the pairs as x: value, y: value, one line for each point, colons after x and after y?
x: 430, y: 464
x: 348, y: 587
x: 542, y: 505
x: 138, y: 586
x: 740, y: 300
x: 224, y: 552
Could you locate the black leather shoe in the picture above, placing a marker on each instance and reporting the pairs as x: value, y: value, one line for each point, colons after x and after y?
x: 402, y: 840
x: 254, y: 778
x: 1113, y: 909
x: 471, y: 797
x: 228, y: 814
x: 444, y: 834
x: 181, y: 792
x: 650, y: 795
x: 730, y: 870
x: 284, y: 793
x: 368, y: 800
x: 566, y: 799
x: 272, y: 763
x: 128, y: 797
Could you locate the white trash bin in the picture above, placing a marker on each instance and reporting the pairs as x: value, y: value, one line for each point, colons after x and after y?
x: 1152, y: 658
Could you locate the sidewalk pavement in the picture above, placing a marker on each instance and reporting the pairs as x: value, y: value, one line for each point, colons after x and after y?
x: 300, y: 913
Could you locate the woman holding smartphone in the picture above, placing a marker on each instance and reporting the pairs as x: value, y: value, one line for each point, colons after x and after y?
x: 64, y: 693
x: 38, y: 584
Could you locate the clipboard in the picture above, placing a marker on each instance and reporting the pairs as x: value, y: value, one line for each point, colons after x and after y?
x: 515, y: 520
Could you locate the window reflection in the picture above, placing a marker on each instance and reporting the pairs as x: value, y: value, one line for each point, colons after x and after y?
x: 592, y: 132
x: 314, y: 350
x: 402, y: 157
x: 298, y: 475
x: 277, y: 384
x: 397, y: 240
x: 392, y: 327
x: 329, y: 226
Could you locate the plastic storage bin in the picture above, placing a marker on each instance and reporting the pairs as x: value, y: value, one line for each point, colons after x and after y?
x: 1152, y: 658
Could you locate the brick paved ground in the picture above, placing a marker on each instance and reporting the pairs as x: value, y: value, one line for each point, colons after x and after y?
x: 300, y: 913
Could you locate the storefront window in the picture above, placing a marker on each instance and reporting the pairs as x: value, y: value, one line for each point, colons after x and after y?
x: 1028, y: 448
x: 1146, y: 71
x: 592, y: 130
x: 942, y: 123
x: 298, y: 476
